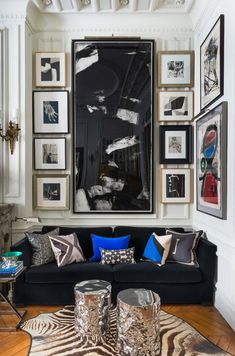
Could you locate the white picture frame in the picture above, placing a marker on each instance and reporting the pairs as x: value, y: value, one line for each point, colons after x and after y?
x: 51, y: 192
x: 50, y: 69
x: 50, y: 111
x: 175, y: 105
x: 175, y: 185
x: 175, y: 69
x: 49, y: 153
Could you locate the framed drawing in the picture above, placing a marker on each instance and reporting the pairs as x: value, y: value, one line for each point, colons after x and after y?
x: 175, y: 69
x: 113, y: 115
x: 175, y: 105
x: 211, y: 162
x: 50, y: 69
x: 50, y: 111
x: 212, y: 64
x: 176, y: 144
x: 176, y: 185
x: 51, y: 192
x: 49, y: 153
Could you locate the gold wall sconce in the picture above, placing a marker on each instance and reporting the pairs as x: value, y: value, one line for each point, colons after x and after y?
x: 12, y: 131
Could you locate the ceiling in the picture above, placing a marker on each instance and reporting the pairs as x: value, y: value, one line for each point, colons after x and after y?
x: 114, y: 6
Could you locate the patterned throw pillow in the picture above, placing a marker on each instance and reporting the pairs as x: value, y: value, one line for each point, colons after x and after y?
x: 112, y: 257
x: 183, y: 246
x: 66, y: 249
x: 157, y: 248
x: 41, y: 247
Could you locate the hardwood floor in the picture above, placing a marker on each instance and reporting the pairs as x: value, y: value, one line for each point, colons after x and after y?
x: 206, y: 320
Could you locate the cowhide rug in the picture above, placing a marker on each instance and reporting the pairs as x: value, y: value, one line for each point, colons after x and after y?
x: 54, y: 334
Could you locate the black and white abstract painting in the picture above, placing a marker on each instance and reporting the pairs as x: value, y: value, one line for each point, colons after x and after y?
x: 113, y: 110
x: 212, y: 64
x: 175, y: 105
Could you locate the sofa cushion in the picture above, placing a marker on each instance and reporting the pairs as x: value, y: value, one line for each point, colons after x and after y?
x: 157, y: 248
x: 140, y: 236
x: 111, y: 243
x: 72, y: 273
x: 145, y: 272
x: 66, y: 249
x: 112, y: 257
x: 183, y: 246
x: 41, y: 248
x: 83, y: 234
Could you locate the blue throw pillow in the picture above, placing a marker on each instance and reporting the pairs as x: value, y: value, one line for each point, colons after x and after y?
x: 157, y: 248
x: 108, y: 243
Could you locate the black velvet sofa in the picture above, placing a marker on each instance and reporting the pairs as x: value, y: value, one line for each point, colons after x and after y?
x: 175, y: 283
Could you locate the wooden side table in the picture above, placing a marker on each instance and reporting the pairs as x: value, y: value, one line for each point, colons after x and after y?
x: 9, y: 300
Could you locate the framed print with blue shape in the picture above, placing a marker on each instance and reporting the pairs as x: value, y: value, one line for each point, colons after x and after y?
x: 50, y: 111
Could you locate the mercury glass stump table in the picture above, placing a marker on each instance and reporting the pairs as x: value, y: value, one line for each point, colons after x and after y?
x: 8, y: 301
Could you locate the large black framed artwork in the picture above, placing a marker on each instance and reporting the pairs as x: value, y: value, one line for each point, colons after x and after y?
x: 113, y: 125
x: 212, y: 64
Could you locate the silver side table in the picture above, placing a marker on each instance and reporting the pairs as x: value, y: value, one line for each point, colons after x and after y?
x: 138, y: 322
x: 92, y: 303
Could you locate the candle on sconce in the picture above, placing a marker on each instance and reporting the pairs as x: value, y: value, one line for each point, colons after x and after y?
x: 15, y: 115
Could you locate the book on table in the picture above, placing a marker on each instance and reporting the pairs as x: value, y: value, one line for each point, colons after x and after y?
x: 11, y: 270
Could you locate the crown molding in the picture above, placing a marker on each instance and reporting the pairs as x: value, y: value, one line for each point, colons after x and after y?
x: 203, y: 12
x: 12, y: 17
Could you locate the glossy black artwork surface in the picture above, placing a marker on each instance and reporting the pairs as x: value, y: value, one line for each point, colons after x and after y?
x: 112, y: 109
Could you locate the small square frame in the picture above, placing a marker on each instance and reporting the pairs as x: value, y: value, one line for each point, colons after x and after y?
x: 46, y: 195
x: 175, y: 105
x: 50, y: 111
x: 176, y: 144
x: 175, y: 185
x: 49, y: 153
x: 50, y: 69
x: 175, y: 69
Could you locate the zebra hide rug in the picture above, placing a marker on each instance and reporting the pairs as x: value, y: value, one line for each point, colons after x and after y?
x: 54, y: 334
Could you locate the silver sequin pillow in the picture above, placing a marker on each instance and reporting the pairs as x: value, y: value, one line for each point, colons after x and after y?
x: 112, y: 257
x: 41, y: 247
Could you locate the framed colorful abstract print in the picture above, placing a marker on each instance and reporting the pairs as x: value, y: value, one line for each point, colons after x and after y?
x: 50, y: 111
x: 50, y: 69
x: 175, y: 69
x: 113, y: 118
x: 176, y: 185
x: 175, y: 144
x: 212, y: 64
x: 211, y: 162
x: 175, y: 105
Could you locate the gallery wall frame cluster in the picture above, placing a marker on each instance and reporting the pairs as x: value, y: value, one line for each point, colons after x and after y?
x: 50, y: 122
x: 175, y: 104
x: 211, y: 127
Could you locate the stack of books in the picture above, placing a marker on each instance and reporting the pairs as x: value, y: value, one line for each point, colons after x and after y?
x: 10, y: 271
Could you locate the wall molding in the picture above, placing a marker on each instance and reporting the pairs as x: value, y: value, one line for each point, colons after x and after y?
x: 225, y: 308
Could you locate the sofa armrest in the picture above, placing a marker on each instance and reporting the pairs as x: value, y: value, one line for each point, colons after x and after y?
x: 207, y: 259
x: 24, y: 247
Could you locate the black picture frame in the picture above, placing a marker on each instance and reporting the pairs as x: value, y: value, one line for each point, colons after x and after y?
x: 211, y: 162
x: 176, y: 145
x: 212, y: 65
x: 112, y: 86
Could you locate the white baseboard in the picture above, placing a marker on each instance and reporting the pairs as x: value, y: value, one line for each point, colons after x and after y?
x: 225, y: 308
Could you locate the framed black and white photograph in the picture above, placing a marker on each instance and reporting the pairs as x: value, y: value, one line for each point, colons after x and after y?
x: 175, y: 69
x: 176, y: 185
x: 50, y: 111
x: 175, y: 105
x: 51, y: 192
x: 211, y: 162
x: 49, y: 153
x: 212, y: 64
x: 50, y: 69
x: 113, y: 119
x: 176, y: 144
